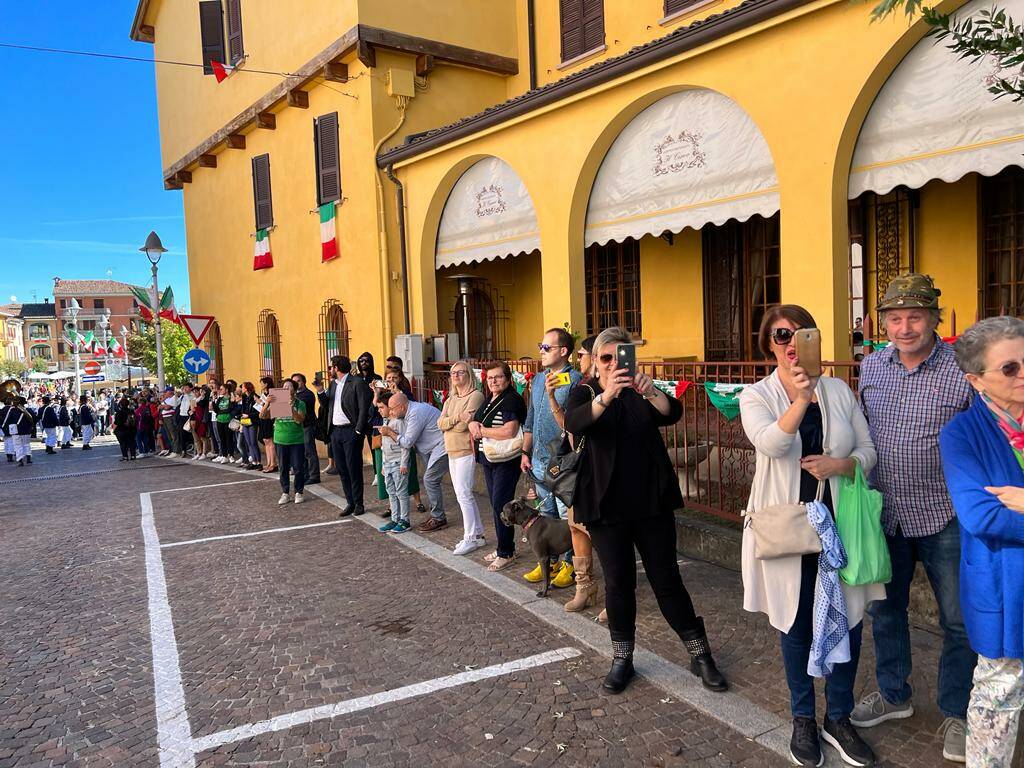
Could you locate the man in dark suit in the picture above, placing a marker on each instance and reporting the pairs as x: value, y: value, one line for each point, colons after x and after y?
x: 344, y: 411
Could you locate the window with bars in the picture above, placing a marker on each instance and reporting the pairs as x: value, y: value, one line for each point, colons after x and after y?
x: 268, y: 335
x: 858, y: 306
x: 613, y: 286
x: 215, y: 349
x: 334, y: 334
x: 742, y: 278
x: 1002, y: 224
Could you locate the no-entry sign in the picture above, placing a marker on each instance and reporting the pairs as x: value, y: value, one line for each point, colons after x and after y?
x: 91, y: 368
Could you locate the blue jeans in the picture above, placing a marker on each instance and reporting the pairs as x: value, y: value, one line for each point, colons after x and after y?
x: 550, y: 505
x: 397, y: 485
x: 940, y: 555
x: 291, y: 457
x: 502, y: 479
x: 796, y: 648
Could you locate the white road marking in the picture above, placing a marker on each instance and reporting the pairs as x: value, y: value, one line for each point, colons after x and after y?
x: 253, y: 533
x: 326, y: 711
x: 214, y: 485
x: 174, y: 734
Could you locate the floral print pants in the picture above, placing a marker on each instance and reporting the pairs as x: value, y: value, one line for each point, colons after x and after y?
x: 993, y: 712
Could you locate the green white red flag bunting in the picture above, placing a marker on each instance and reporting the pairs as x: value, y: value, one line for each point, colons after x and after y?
x: 328, y: 233
x: 262, y: 258
x: 167, y: 309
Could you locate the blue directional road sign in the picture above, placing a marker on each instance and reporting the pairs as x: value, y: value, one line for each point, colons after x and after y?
x: 196, y: 361
x: 90, y: 379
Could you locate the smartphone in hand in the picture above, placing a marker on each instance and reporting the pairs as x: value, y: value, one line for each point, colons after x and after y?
x: 808, y: 351
x: 625, y: 355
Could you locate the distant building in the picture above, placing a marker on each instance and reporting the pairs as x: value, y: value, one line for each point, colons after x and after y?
x: 94, y: 296
x: 10, y: 333
x: 39, y: 331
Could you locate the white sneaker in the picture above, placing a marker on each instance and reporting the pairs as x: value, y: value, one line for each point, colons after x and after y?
x: 298, y: 498
x: 466, y: 546
x: 211, y: 455
x: 374, y: 480
x: 220, y: 460
x: 285, y: 498
x: 174, y: 455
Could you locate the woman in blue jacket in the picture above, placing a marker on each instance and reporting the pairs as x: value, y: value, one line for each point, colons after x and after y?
x: 983, y: 459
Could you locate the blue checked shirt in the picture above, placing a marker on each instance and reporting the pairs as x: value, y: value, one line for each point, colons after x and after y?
x: 906, y: 410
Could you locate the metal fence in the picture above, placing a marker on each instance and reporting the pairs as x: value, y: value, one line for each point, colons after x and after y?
x: 710, y: 452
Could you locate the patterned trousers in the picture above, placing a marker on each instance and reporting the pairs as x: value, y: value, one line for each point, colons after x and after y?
x: 993, y: 712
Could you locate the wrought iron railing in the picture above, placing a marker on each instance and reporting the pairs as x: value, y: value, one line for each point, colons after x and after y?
x: 711, y: 454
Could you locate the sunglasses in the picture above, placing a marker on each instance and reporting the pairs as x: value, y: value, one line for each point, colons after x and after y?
x: 1010, y: 370
x: 546, y: 347
x: 782, y: 336
x: 606, y: 358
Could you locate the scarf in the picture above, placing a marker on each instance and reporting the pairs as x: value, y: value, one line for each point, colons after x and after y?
x: 830, y: 633
x: 1010, y: 427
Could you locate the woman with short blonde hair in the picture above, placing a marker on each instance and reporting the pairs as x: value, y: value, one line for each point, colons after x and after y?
x: 464, y: 398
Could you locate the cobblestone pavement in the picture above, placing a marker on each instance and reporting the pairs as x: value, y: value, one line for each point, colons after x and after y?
x: 267, y: 628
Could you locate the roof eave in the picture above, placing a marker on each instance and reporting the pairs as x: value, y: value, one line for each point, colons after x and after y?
x: 136, y: 33
x: 680, y: 41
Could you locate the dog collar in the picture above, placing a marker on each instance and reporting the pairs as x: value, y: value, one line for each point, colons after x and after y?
x: 528, y: 523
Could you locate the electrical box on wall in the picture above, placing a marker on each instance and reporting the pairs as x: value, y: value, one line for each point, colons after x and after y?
x: 409, y: 347
x: 401, y: 83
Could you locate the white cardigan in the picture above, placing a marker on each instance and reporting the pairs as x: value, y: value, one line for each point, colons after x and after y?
x: 773, y: 586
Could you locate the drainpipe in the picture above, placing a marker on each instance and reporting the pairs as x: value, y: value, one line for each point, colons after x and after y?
x: 402, y: 252
x: 385, y: 266
x: 531, y: 36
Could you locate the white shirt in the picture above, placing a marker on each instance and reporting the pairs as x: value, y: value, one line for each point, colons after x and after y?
x: 338, y: 417
x: 186, y: 403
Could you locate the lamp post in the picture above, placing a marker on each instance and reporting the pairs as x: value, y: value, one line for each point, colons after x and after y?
x: 154, y: 249
x: 127, y: 360
x: 104, y: 323
x: 70, y: 316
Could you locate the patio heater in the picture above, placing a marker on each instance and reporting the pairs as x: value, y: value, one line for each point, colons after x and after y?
x: 465, y: 293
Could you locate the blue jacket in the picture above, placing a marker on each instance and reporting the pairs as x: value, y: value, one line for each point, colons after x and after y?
x: 975, y: 454
x: 64, y: 416
x: 49, y: 418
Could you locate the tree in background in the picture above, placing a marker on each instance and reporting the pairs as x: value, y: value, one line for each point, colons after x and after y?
x: 9, y: 368
x: 142, y: 350
x: 991, y: 33
x: 40, y: 364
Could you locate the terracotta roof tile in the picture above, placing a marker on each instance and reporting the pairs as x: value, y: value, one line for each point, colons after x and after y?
x: 89, y: 287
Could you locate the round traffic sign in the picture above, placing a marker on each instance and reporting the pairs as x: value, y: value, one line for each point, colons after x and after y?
x: 91, y: 368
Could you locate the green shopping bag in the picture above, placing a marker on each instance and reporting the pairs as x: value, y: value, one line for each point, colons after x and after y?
x: 859, y: 522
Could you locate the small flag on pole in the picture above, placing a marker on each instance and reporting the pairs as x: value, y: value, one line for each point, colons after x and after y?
x: 221, y: 71
x: 328, y: 234
x: 262, y: 258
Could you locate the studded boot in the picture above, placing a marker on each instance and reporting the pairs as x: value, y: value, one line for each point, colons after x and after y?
x: 701, y: 662
x: 621, y: 673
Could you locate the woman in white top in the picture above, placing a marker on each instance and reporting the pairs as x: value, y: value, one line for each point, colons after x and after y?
x: 804, y: 430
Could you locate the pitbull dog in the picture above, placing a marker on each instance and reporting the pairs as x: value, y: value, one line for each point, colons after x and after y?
x: 549, y: 538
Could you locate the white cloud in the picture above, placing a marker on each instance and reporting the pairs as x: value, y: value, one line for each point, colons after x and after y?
x: 109, y: 220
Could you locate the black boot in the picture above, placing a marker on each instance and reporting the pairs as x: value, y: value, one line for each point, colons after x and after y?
x: 701, y: 662
x: 621, y: 673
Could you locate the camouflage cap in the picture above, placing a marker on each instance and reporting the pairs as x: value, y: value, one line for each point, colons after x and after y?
x: 913, y: 291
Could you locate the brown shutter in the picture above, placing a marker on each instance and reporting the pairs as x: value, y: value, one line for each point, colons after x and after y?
x: 261, y: 192
x: 674, y: 6
x: 211, y: 30
x: 328, y: 172
x: 570, y: 13
x: 593, y: 24
x: 234, y: 12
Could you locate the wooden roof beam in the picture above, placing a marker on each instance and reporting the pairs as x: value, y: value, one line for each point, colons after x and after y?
x: 172, y: 183
x: 236, y: 141
x: 336, y: 72
x: 298, y: 98
x: 266, y: 120
x: 207, y: 161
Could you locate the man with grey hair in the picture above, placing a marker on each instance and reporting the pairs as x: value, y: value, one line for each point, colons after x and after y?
x: 909, y: 391
x: 423, y: 435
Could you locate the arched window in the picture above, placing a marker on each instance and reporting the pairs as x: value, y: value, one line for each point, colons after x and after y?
x: 215, y: 349
x: 40, y: 350
x: 334, y: 333
x: 269, y: 336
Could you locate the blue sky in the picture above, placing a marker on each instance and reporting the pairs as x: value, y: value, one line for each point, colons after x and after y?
x: 80, y: 181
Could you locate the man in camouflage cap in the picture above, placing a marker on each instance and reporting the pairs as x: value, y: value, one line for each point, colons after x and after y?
x: 908, y: 391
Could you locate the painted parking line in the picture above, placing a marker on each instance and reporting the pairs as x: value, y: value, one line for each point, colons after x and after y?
x: 252, y: 533
x: 215, y: 485
x: 327, y: 711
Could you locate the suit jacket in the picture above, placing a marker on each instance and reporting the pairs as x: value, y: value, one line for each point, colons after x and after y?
x: 355, y: 403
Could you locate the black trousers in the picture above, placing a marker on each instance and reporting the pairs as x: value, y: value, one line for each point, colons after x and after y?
x: 312, y: 459
x: 655, y: 539
x: 126, y: 440
x: 347, y: 448
x: 225, y: 439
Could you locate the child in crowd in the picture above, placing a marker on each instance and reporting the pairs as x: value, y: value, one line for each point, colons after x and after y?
x: 87, y: 418
x: 396, y: 469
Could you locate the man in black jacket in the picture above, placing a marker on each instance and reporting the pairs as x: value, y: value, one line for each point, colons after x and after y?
x: 344, y: 410
x: 309, y: 428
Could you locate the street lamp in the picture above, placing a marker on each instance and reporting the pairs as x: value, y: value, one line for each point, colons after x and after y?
x: 70, y: 315
x: 104, y: 323
x: 154, y: 249
x: 127, y: 360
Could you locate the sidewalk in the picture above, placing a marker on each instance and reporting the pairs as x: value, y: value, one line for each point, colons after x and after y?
x: 746, y: 647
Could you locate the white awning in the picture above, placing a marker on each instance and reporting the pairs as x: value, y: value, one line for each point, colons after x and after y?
x: 688, y: 159
x: 935, y: 119
x: 488, y: 215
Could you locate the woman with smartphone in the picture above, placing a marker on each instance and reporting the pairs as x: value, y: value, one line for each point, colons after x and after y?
x: 807, y: 431
x: 626, y: 495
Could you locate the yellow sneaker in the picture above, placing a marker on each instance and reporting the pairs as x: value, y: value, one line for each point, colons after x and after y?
x: 565, y: 577
x: 537, y: 573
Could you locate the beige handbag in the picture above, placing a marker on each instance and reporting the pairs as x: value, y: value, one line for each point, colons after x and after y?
x: 783, y: 530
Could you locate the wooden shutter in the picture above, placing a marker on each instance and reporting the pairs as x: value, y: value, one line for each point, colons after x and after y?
x: 593, y: 24
x: 261, y: 192
x: 328, y: 171
x: 570, y: 13
x: 674, y: 6
x: 234, y: 13
x: 211, y: 30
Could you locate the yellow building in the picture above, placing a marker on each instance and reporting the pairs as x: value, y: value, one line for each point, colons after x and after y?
x: 674, y: 167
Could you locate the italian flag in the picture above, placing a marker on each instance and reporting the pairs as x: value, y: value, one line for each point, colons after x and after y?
x: 268, y: 358
x: 328, y: 235
x: 86, y: 340
x: 167, y: 309
x: 262, y: 258
x: 146, y: 301
x: 116, y: 349
x: 98, y: 348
